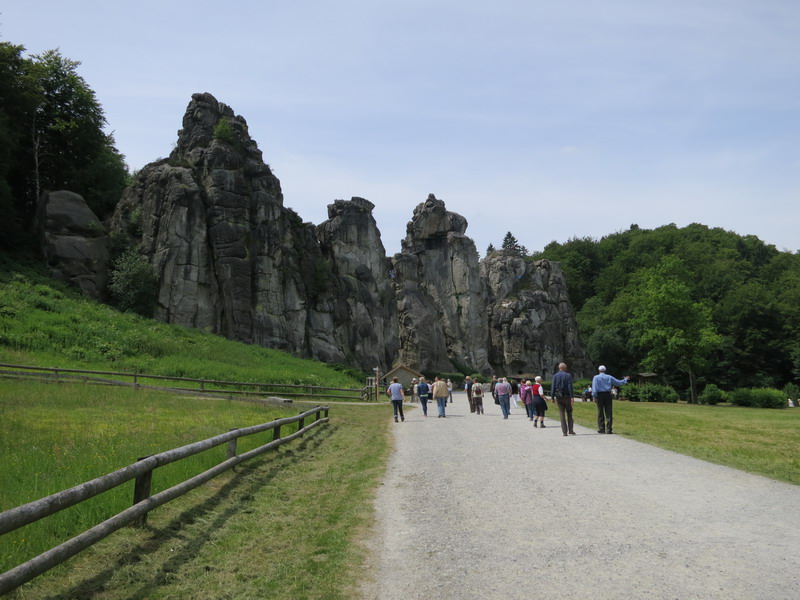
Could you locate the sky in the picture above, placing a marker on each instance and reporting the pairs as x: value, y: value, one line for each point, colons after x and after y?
x: 548, y: 119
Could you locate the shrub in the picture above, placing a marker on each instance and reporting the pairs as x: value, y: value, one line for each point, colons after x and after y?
x: 712, y: 395
x: 759, y: 397
x: 133, y: 284
x: 648, y: 392
x: 223, y: 131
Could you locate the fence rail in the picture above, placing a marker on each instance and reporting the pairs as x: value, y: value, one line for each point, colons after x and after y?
x: 143, y: 502
x: 206, y: 386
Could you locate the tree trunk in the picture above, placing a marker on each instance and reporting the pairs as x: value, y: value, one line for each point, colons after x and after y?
x: 693, y: 392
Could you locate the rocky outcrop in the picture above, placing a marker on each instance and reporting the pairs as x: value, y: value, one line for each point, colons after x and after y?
x: 532, y: 325
x: 229, y: 256
x: 362, y: 303
x: 441, y: 298
x: 73, y: 242
x: 232, y: 259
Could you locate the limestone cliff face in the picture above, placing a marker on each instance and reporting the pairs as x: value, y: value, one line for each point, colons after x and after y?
x: 441, y: 298
x: 233, y: 260
x: 532, y: 325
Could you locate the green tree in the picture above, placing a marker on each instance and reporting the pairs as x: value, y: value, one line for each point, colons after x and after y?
x: 19, y: 96
x: 673, y: 330
x: 51, y: 137
x: 511, y: 244
x: 69, y: 149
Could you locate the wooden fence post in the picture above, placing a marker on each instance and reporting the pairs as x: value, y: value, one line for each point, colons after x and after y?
x: 141, y: 491
x: 232, y: 448
x: 326, y: 412
x: 301, y: 422
x: 276, y: 433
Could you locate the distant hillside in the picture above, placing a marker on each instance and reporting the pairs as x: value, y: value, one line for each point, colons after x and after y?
x: 45, y: 323
x: 751, y: 289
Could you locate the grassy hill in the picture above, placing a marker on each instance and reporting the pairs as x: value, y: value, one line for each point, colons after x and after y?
x: 45, y: 323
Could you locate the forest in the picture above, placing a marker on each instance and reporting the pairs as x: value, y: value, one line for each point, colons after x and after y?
x: 695, y: 305
x: 51, y: 138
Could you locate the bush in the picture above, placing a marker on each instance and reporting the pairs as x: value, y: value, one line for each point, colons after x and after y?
x: 758, y: 397
x: 133, y: 284
x: 712, y: 395
x: 648, y: 392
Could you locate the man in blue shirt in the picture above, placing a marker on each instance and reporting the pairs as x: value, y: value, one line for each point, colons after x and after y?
x: 563, y: 394
x: 601, y: 391
x: 395, y: 392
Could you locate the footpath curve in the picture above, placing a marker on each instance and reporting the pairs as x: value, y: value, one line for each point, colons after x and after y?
x: 481, y: 507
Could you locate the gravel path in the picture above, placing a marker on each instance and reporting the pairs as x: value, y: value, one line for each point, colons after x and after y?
x: 481, y: 507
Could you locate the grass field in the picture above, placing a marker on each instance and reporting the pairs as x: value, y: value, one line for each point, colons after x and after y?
x: 758, y: 440
x: 286, y: 525
x: 46, y: 324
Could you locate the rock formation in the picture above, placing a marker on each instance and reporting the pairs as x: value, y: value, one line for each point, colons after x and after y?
x: 232, y: 259
x: 532, y: 325
x: 441, y: 298
x: 74, y: 242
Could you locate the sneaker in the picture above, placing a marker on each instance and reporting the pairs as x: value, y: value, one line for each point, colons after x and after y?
x: 601, y: 431
x: 541, y: 424
x: 572, y: 433
x: 395, y: 419
x: 536, y: 423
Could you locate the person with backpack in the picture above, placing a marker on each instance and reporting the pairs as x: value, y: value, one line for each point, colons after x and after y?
x: 563, y: 394
x: 423, y: 389
x: 477, y: 397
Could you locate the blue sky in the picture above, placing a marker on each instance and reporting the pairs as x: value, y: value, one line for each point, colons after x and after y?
x: 547, y: 119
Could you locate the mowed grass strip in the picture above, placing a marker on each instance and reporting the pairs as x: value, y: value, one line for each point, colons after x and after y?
x: 285, y: 525
x: 758, y: 440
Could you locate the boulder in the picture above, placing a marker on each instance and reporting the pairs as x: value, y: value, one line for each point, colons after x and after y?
x: 73, y: 242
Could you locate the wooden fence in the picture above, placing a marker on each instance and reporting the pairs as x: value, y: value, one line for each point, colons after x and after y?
x: 143, y: 502
x: 204, y: 386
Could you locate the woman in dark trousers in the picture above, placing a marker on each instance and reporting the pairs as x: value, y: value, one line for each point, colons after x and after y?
x: 423, y: 391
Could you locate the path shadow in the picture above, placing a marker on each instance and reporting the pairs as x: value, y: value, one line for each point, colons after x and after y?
x: 236, y: 495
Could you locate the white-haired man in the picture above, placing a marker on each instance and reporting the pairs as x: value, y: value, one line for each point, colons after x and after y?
x: 601, y: 392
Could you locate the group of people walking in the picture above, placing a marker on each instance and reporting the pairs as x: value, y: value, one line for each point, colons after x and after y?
x: 530, y: 393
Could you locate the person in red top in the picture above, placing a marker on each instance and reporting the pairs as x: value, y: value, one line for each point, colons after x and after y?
x: 539, y: 403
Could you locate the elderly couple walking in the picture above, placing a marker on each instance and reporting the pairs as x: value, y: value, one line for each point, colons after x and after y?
x: 601, y: 391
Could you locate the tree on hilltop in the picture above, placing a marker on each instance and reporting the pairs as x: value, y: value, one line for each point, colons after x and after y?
x: 511, y: 244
